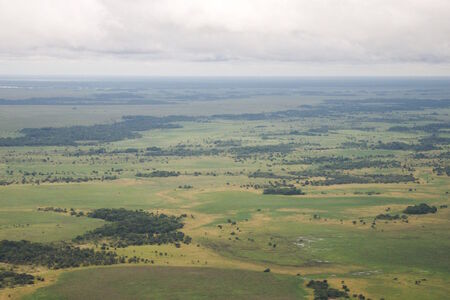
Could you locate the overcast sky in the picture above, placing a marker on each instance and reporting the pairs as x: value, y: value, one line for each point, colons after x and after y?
x: 229, y: 37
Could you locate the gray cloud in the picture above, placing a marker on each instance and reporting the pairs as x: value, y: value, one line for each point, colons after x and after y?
x: 204, y: 31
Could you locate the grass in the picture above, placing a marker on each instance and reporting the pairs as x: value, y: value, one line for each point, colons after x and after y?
x: 335, y: 248
x: 171, y: 283
x: 216, y: 264
x: 43, y: 226
x: 332, y: 207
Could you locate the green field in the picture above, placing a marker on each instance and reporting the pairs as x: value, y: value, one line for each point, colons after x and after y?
x: 345, y: 163
x: 171, y: 283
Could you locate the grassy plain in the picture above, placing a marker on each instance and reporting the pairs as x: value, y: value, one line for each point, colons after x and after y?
x: 171, y: 283
x: 314, y: 234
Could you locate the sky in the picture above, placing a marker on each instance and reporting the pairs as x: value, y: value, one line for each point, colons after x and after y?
x: 225, y: 38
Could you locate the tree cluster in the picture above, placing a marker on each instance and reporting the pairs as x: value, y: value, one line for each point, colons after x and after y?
x: 158, y: 173
x: 52, y: 256
x: 420, y: 209
x: 287, y: 191
x: 128, y: 227
x: 322, y: 291
x: 338, y: 178
x: 389, y: 217
x: 72, y: 135
x: 11, y: 279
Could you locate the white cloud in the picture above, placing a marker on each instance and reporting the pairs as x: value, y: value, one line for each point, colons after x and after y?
x: 239, y: 31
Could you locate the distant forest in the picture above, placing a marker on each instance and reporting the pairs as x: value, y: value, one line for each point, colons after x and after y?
x: 129, y: 127
x: 70, y: 136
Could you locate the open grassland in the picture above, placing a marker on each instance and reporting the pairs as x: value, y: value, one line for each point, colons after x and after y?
x: 215, y: 172
x: 35, y: 226
x: 171, y: 283
x: 331, y: 245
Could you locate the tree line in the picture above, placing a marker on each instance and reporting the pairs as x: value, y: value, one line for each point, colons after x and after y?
x: 53, y: 256
x: 10, y: 279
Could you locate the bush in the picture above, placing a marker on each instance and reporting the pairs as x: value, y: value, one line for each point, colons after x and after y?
x: 283, y: 191
x: 420, y: 209
x: 322, y: 291
x: 11, y: 279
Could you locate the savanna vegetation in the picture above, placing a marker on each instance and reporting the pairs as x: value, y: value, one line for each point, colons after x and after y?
x: 323, y: 194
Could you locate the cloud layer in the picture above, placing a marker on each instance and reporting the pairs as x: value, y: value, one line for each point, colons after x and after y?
x: 285, y: 31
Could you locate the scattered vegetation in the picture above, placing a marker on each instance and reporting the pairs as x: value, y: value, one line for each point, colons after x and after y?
x: 278, y: 153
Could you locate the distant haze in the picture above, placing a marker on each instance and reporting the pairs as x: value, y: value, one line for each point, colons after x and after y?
x: 232, y: 37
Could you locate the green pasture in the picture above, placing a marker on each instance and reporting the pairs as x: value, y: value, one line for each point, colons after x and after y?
x: 171, y: 283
